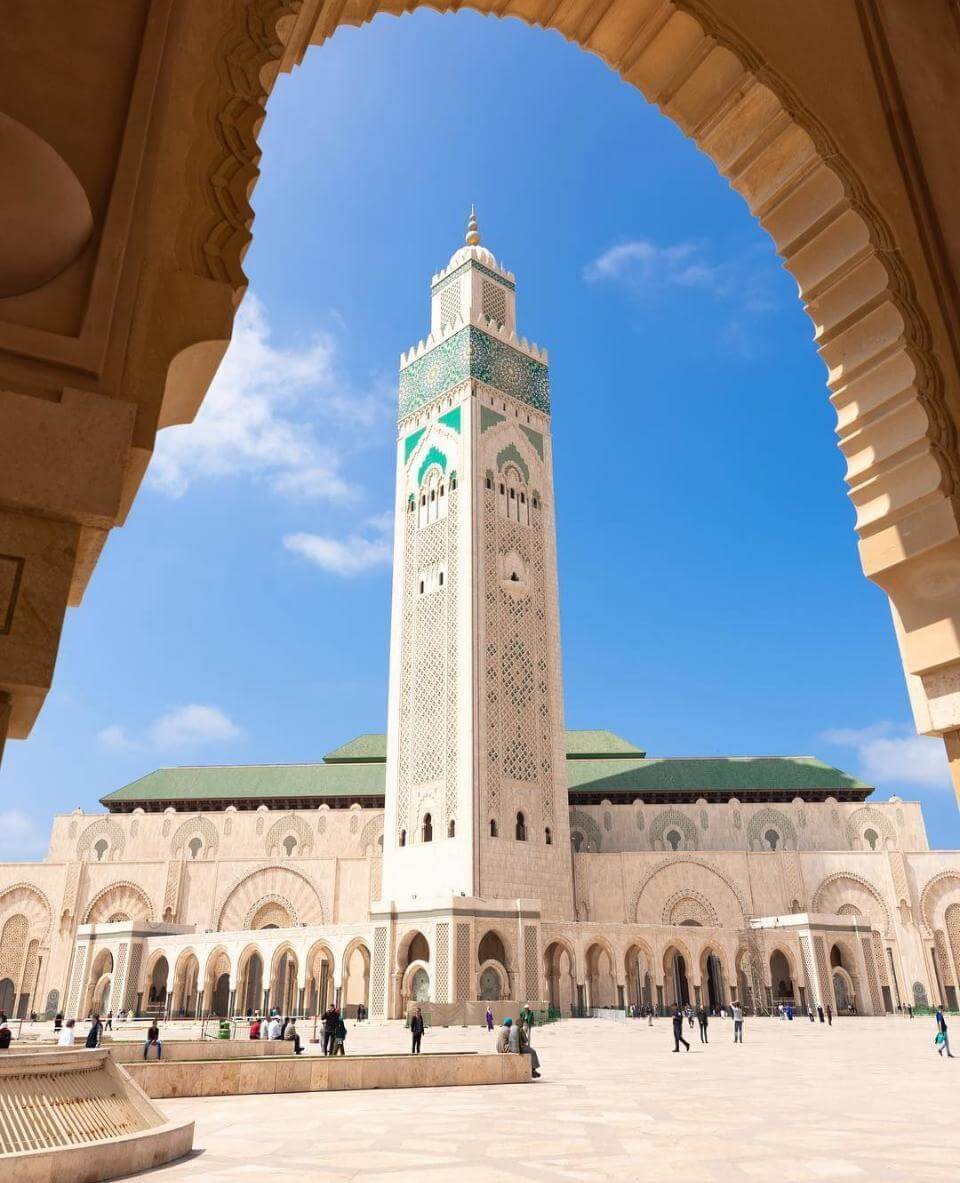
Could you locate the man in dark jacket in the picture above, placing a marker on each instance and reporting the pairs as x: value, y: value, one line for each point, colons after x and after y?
x: 702, y: 1019
x: 416, y: 1029
x: 678, y: 1031
x: 95, y: 1032
x: 330, y: 1018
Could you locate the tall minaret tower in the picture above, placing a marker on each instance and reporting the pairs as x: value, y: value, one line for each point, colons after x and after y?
x: 476, y: 795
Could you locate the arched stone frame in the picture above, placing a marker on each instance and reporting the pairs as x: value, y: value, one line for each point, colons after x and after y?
x: 673, y: 945
x: 217, y: 963
x: 841, y: 882
x: 284, y: 994
x: 198, y: 826
x: 187, y: 983
x: 29, y: 900
x: 289, y: 824
x: 269, y: 881
x: 713, y: 948
x: 692, y: 903
x: 320, y: 986
x: 510, y: 964
x: 935, y: 896
x: 673, y: 819
x: 551, y: 969
x: 107, y: 829
x: 99, y: 979
x: 406, y: 983
x: 675, y: 862
x: 635, y: 989
x: 771, y: 819
x: 851, y: 986
x: 147, y: 975
x: 792, y: 965
x: 594, y: 945
x: 426, y: 805
x: 493, y: 966
x: 867, y: 818
x: 586, y: 825
x: 357, y: 945
x: 371, y: 837
x: 124, y: 897
x: 250, y: 986
x: 850, y: 968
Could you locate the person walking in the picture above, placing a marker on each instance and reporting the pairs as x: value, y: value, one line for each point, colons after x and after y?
x: 649, y: 1016
x: 108, y: 1026
x: 820, y: 1013
x: 95, y: 1032
x: 153, y: 1040
x: 737, y: 1022
x: 703, y: 1019
x: 416, y: 1030
x: 678, y: 1031
x: 488, y: 1017
x: 943, y: 1039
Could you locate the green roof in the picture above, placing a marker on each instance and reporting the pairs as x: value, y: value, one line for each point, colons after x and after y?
x: 372, y: 747
x: 600, y: 765
x: 782, y: 775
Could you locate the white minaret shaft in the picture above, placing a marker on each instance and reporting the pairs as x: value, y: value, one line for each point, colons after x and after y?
x: 476, y: 798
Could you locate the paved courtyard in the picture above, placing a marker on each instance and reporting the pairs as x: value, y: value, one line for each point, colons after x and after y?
x: 867, y: 1099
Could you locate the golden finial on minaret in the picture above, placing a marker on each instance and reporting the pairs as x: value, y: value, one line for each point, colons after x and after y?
x: 473, y: 232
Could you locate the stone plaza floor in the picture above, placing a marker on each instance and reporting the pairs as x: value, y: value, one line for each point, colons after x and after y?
x: 868, y: 1099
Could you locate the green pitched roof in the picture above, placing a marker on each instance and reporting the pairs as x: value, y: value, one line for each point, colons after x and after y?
x: 783, y: 775
x: 600, y: 765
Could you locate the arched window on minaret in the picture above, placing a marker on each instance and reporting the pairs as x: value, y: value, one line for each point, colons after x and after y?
x: 403, y: 837
x: 548, y: 836
x: 427, y: 828
x: 434, y: 491
x: 451, y: 829
x: 521, y: 828
x: 513, y: 498
x: 493, y: 828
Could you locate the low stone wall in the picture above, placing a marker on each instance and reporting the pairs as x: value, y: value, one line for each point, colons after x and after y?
x: 76, y: 1117
x: 302, y: 1074
x: 201, y: 1049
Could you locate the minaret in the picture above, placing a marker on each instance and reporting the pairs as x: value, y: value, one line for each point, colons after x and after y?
x: 476, y: 797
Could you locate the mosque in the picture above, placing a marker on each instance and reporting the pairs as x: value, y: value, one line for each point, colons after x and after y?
x: 478, y: 850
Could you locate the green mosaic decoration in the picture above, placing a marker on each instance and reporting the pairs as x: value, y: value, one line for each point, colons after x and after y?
x: 449, y: 279
x: 451, y: 420
x: 534, y: 437
x: 472, y: 353
x: 411, y: 442
x: 433, y: 456
x: 511, y: 453
x: 489, y: 419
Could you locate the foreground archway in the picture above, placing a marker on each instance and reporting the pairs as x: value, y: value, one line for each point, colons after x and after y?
x: 835, y: 174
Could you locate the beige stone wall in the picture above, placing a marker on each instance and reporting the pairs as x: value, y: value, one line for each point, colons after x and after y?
x: 736, y: 825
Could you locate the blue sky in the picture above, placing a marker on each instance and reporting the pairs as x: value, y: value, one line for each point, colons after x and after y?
x: 711, y: 595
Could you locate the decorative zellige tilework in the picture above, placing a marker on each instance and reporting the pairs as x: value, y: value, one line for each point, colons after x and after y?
x: 472, y: 353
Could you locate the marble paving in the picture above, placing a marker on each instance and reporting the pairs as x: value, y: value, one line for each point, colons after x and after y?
x: 868, y: 1099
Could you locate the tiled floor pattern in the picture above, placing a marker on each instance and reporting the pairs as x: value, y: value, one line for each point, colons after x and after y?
x: 868, y: 1100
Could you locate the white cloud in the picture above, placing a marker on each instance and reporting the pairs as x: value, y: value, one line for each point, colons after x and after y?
x: 265, y: 415
x: 115, y: 737
x: 643, y: 264
x: 19, y: 836
x: 194, y: 724
x: 890, y: 755
x: 181, y: 727
x: 353, y: 555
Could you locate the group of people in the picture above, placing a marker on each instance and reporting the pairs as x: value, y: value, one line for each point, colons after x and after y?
x: 702, y: 1016
x: 515, y: 1037
x: 272, y: 1027
x: 333, y: 1033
